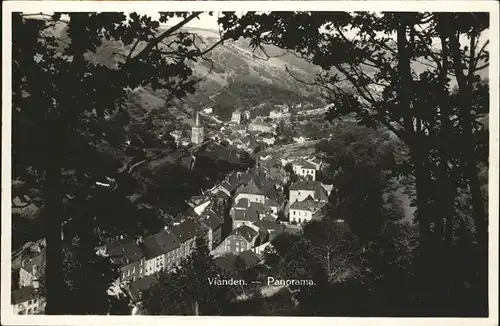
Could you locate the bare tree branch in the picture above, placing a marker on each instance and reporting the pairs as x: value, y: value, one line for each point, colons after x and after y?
x: 151, y: 45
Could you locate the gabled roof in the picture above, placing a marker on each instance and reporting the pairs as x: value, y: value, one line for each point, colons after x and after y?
x: 271, y: 202
x: 307, y: 205
x: 252, y: 188
x: 142, y: 284
x: 124, y: 251
x: 246, y: 232
x: 226, y: 186
x: 226, y: 262
x: 269, y: 225
x: 269, y: 217
x: 23, y: 294
x: 197, y: 200
x: 211, y: 220
x: 304, y: 164
x: 249, y: 257
x: 160, y: 243
x: 242, y: 203
x: 187, y: 230
x: 321, y: 195
x: 305, y: 185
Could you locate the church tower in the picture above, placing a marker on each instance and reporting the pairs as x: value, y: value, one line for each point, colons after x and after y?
x: 197, y: 131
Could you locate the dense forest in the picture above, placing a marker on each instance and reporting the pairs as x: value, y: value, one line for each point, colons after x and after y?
x: 70, y: 119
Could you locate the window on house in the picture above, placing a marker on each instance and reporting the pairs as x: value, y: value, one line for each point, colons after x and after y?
x: 128, y: 272
x: 133, y: 270
x: 35, y: 269
x: 29, y: 311
x: 140, y: 270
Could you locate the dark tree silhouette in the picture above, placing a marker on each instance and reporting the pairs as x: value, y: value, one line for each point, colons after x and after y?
x: 64, y: 88
x: 392, y: 75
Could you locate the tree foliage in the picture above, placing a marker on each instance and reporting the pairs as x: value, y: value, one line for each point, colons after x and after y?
x: 187, y: 291
x: 68, y: 95
x: 412, y: 74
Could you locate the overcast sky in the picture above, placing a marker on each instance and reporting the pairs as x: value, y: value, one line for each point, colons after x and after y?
x: 204, y: 21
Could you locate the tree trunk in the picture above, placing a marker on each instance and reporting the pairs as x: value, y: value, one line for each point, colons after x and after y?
x: 419, y: 156
x: 465, y: 85
x: 52, y: 215
x: 445, y: 179
x: 465, y: 89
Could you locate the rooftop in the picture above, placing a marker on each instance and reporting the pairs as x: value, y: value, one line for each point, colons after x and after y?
x: 228, y: 262
x: 269, y: 225
x: 160, y: 243
x: 142, y: 284
x: 123, y: 252
x: 187, y: 230
x: 249, y: 257
x: 23, y: 294
x: 304, y: 164
x: 305, y: 185
x: 306, y: 205
x: 246, y: 232
x: 211, y: 220
x: 242, y: 203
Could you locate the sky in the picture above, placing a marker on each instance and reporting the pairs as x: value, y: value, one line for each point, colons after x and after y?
x: 205, y: 21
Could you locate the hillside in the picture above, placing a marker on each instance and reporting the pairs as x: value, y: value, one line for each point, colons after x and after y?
x: 236, y: 77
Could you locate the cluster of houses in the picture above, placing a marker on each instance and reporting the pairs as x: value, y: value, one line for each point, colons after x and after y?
x: 239, y: 216
x: 242, y: 131
x: 28, y: 270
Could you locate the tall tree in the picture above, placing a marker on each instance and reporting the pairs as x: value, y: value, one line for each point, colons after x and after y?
x: 63, y: 89
x: 393, y: 70
x: 187, y: 290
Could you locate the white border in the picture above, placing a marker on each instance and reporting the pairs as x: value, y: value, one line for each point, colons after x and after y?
x: 8, y: 318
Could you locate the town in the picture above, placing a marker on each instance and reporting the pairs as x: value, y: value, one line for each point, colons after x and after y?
x: 260, y: 163
x: 260, y: 209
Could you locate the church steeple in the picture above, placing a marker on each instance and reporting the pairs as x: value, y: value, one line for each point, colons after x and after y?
x: 197, y: 134
x: 197, y: 123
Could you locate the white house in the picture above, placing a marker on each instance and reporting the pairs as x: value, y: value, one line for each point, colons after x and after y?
x: 300, y: 140
x: 301, y: 190
x: 236, y: 117
x: 162, y: 252
x: 252, y: 192
x: 26, y: 301
x: 208, y: 110
x: 304, y: 211
x: 304, y: 169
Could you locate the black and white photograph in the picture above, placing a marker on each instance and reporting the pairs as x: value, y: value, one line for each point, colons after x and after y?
x: 245, y: 161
